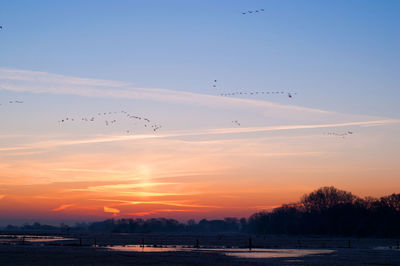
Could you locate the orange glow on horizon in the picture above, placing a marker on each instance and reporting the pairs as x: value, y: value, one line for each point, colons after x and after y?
x: 198, y: 166
x: 114, y: 211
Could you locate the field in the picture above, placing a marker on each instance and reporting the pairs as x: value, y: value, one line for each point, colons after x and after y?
x: 80, y: 250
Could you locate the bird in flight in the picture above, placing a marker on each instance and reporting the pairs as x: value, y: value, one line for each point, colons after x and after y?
x: 215, y: 83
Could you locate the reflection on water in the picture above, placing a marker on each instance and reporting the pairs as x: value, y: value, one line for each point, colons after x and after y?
x: 278, y: 253
x: 388, y: 248
x: 236, y: 252
x: 140, y: 248
x: 32, y: 238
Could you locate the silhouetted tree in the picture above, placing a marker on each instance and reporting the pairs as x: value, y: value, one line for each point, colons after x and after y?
x: 334, y: 212
x: 325, y: 198
x: 391, y: 202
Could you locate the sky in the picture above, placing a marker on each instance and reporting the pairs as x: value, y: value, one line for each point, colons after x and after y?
x: 114, y: 109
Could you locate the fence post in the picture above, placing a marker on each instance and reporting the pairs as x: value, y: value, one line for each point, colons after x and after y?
x: 250, y: 243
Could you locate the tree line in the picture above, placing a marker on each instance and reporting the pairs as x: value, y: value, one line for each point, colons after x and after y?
x: 325, y: 211
x: 329, y: 211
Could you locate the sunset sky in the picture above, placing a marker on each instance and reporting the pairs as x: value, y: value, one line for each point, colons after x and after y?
x: 104, y: 64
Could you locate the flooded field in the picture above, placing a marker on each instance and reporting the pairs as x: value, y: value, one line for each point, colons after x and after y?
x: 31, y: 238
x: 235, y: 252
x: 207, y: 250
x: 277, y: 253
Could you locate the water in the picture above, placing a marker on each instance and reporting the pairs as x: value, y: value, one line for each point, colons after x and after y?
x: 32, y: 238
x: 235, y: 252
x: 387, y: 248
x: 278, y: 253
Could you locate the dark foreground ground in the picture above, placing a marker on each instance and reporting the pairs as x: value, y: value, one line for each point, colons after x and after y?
x: 360, y: 251
x: 57, y: 255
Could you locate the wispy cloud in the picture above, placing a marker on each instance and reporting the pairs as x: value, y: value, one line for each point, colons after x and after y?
x: 184, y: 133
x: 63, y: 207
x: 43, y: 82
x: 155, y: 202
x: 281, y: 154
x: 151, y: 194
x: 146, y: 213
x: 119, y: 187
x: 88, y: 170
x: 45, y: 77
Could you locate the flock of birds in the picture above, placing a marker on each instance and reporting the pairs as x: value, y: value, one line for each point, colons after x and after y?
x: 13, y: 102
x: 155, y: 127
x: 109, y: 119
x: 339, y: 134
x: 253, y: 11
x: 289, y: 94
x: 237, y: 93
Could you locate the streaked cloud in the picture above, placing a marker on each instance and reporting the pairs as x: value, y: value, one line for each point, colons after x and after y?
x: 154, y: 202
x: 177, y: 134
x: 44, y: 82
x: 151, y: 194
x: 45, y: 77
x: 146, y: 213
x: 63, y: 207
x: 121, y: 187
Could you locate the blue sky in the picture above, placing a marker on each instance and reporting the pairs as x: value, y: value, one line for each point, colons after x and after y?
x: 338, y: 55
